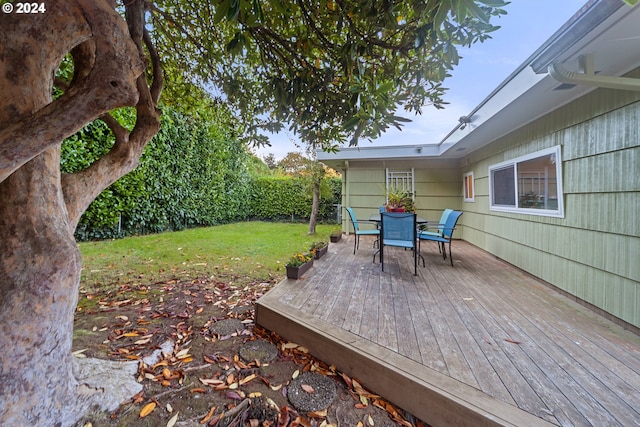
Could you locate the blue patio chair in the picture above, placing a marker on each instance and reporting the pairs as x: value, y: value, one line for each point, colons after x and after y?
x: 432, y: 229
x: 447, y: 234
x: 399, y: 229
x: 358, y: 232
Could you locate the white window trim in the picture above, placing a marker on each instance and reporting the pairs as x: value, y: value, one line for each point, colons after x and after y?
x: 403, y: 180
x: 464, y: 187
x: 559, y: 213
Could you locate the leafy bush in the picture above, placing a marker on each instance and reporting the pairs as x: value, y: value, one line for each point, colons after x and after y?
x: 192, y: 173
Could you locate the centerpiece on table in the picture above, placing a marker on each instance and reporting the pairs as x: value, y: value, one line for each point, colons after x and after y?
x: 319, y: 249
x: 298, y: 264
x: 399, y: 201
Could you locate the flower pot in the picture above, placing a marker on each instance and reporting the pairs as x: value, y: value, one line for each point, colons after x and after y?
x: 335, y: 237
x: 297, y: 272
x: 401, y: 209
x: 320, y: 252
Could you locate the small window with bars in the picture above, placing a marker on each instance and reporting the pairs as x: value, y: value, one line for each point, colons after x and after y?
x: 400, y: 181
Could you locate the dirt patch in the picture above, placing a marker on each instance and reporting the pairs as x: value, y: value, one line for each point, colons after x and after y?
x: 216, y: 367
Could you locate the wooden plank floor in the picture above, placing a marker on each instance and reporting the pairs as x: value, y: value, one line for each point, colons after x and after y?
x: 481, y: 343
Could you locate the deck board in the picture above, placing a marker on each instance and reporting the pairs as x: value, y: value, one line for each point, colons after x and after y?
x: 481, y: 343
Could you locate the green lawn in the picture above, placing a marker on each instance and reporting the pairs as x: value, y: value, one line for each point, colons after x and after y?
x: 237, y: 253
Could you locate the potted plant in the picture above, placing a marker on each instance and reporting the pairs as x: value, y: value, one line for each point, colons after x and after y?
x: 399, y: 201
x: 335, y: 236
x: 298, y: 264
x: 319, y: 249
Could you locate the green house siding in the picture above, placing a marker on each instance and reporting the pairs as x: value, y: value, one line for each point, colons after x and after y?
x: 437, y: 184
x: 594, y: 251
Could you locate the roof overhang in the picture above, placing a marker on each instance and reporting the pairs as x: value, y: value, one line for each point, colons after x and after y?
x: 606, y: 30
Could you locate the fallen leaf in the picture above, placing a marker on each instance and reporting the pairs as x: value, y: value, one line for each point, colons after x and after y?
x: 289, y: 345
x: 247, y: 379
x: 211, y: 381
x: 295, y: 374
x: 183, y: 353
x: 512, y: 341
x: 169, y: 408
x: 146, y: 409
x: 172, y: 420
x: 307, y: 388
x: 208, y: 416
x: 79, y: 353
x: 318, y: 414
x: 235, y: 395
x: 370, y: 420
x: 197, y: 390
x: 347, y: 380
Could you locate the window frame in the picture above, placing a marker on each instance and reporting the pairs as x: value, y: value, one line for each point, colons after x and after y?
x: 513, y: 165
x: 467, y: 179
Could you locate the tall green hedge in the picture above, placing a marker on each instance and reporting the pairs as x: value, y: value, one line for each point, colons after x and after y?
x: 192, y: 173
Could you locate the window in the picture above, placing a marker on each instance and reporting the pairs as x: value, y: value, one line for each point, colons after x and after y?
x: 400, y: 181
x: 468, y: 191
x: 530, y: 184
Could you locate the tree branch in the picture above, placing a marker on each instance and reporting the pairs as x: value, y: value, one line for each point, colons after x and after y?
x: 81, y: 188
x: 109, y: 84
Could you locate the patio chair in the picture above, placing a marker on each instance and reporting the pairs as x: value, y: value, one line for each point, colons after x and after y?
x: 399, y: 229
x: 358, y: 232
x: 447, y: 234
x: 426, y: 230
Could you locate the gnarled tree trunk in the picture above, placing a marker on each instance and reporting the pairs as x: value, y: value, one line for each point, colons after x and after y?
x: 39, y: 209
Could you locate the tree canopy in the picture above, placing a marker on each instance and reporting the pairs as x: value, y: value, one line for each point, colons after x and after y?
x: 334, y: 70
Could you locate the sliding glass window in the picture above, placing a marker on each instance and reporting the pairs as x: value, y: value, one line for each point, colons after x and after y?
x: 530, y: 184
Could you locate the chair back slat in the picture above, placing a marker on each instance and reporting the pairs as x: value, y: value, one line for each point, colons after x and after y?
x: 354, y: 221
x: 450, y: 224
x: 443, y: 219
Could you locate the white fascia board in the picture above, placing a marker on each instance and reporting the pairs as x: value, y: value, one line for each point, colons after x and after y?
x: 512, y: 90
x: 389, y: 152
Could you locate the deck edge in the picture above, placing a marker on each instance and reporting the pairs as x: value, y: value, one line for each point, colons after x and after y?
x: 427, y: 394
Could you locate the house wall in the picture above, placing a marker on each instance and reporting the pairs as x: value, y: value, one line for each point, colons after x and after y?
x: 437, y: 186
x: 593, y: 253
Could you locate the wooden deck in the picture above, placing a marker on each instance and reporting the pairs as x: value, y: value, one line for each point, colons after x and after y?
x: 481, y: 343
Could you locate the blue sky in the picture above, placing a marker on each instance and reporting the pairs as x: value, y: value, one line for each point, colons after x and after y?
x: 527, y: 25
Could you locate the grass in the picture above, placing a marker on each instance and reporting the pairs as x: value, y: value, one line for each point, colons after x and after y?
x: 236, y: 253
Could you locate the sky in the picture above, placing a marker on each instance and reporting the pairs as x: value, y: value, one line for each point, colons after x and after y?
x: 527, y: 25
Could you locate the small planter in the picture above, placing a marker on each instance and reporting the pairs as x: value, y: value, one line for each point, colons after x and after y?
x: 335, y: 237
x: 320, y: 252
x: 297, y: 272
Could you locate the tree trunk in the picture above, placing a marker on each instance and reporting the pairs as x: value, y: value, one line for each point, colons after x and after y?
x: 39, y: 259
x: 315, y: 207
x: 39, y: 277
